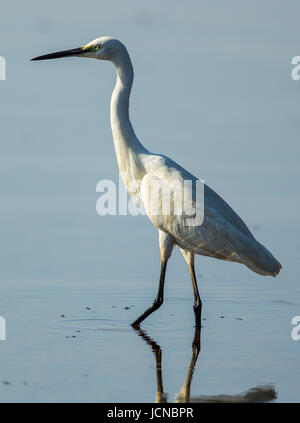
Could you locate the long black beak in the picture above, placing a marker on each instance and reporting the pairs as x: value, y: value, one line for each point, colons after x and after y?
x: 66, y: 53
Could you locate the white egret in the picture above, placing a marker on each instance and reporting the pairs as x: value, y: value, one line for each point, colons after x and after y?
x: 222, y: 234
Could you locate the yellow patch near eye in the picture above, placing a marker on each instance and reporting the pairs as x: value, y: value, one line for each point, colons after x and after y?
x: 87, y: 46
x: 90, y: 47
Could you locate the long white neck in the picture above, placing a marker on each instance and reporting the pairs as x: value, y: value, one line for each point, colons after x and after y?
x: 127, y: 146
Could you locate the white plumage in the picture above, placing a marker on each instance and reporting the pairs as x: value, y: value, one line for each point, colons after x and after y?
x: 222, y: 234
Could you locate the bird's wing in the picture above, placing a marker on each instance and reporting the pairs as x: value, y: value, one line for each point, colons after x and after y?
x: 221, y: 232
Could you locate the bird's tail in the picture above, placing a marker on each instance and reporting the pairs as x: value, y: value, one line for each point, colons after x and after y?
x: 259, y: 259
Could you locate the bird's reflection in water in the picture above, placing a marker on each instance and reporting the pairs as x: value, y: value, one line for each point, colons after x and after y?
x: 257, y: 394
x: 160, y: 395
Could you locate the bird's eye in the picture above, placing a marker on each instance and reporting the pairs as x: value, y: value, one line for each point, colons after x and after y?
x: 96, y: 47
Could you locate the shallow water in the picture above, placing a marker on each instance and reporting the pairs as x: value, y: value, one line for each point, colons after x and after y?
x: 73, y: 342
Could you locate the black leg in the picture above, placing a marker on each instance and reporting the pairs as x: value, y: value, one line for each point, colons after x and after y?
x: 197, y: 303
x: 159, y: 297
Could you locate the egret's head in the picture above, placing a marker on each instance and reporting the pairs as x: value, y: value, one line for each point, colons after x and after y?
x: 103, y: 48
